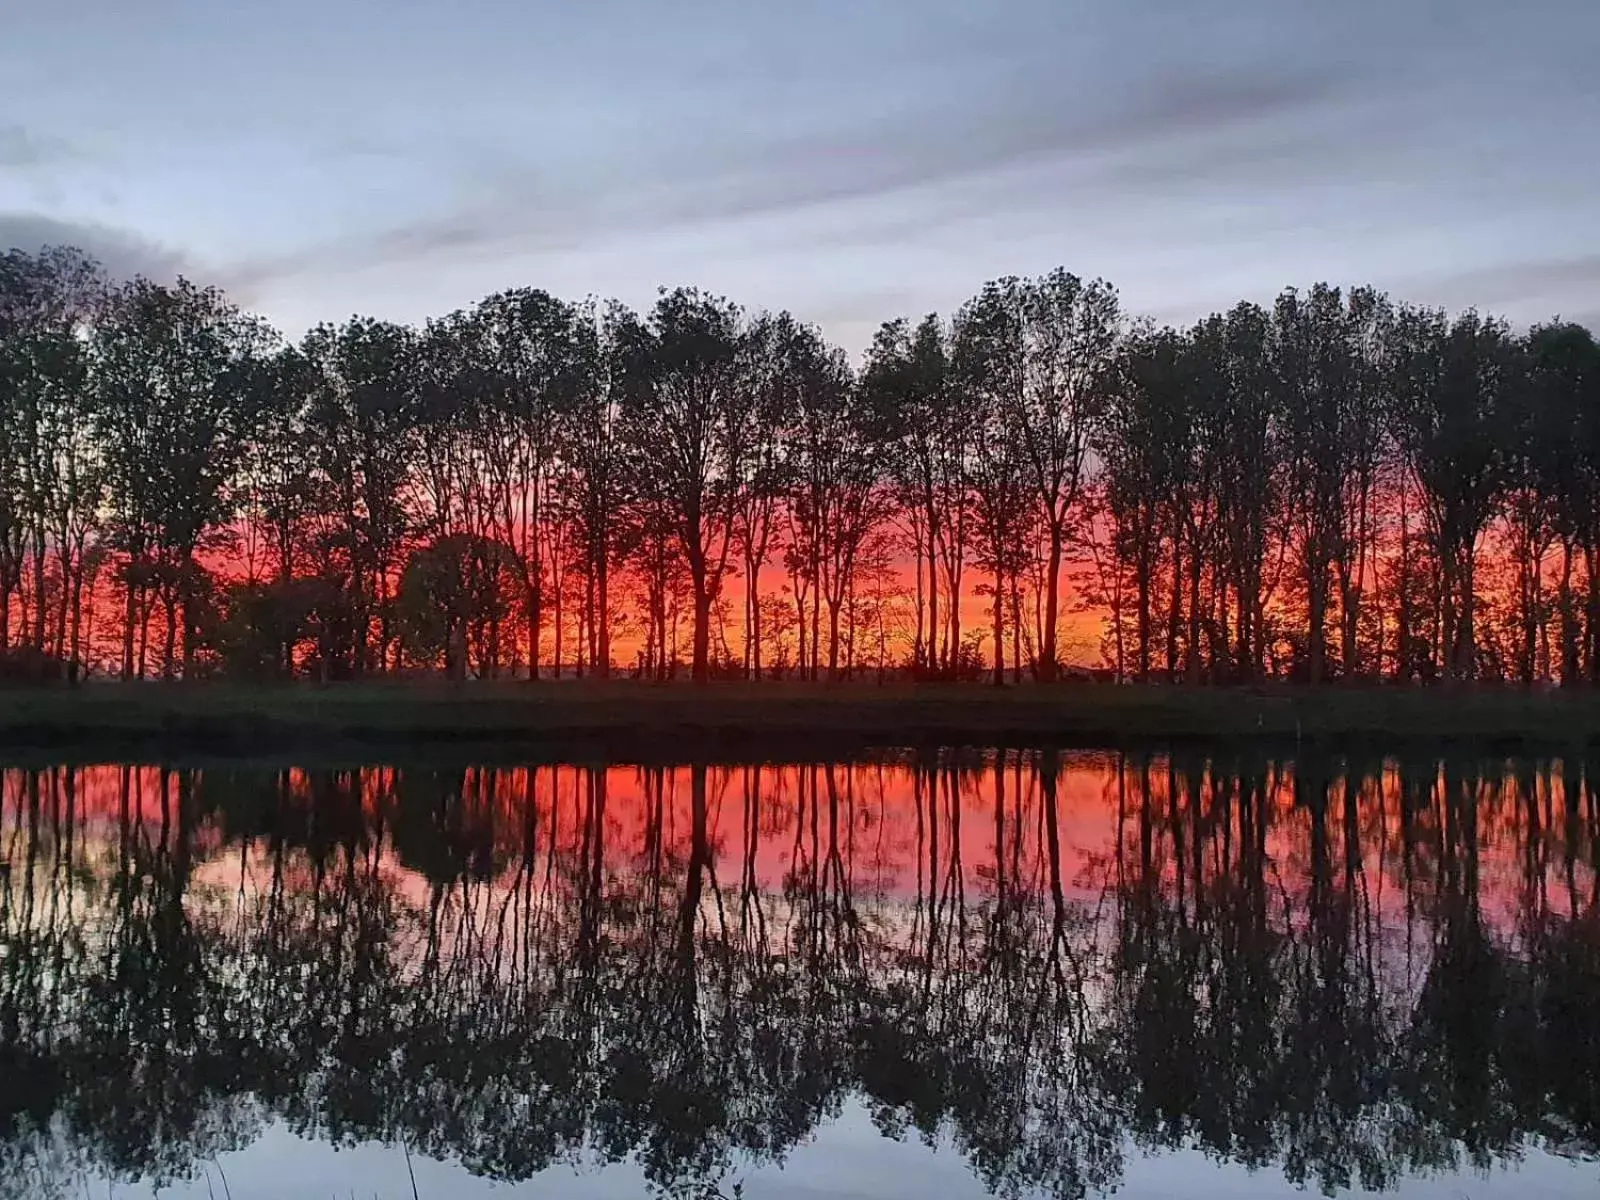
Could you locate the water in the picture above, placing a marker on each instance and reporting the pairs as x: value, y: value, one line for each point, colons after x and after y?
x: 978, y: 974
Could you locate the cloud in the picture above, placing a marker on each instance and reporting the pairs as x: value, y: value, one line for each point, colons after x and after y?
x: 21, y: 148
x: 1525, y: 279
x: 1525, y: 291
x: 1032, y: 121
x: 1001, y: 125
x: 123, y: 253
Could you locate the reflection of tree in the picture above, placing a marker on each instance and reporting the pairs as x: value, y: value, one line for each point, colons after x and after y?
x: 1260, y: 1019
x: 484, y: 964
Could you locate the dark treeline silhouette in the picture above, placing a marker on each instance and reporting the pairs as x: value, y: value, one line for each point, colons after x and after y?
x: 1335, y: 487
x: 1346, y: 971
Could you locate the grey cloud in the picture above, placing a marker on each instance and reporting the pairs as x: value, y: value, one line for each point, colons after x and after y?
x: 1036, y: 122
x: 22, y: 148
x: 122, y: 252
x: 1528, y: 279
x: 461, y: 235
x: 512, y: 207
x: 1527, y: 291
x: 1278, y: 156
x: 1267, y: 163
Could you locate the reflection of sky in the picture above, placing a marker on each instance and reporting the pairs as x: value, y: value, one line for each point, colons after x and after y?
x: 848, y: 1160
x: 854, y: 160
x: 878, y: 824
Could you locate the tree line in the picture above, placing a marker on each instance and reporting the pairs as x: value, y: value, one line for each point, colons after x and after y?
x: 1340, y: 486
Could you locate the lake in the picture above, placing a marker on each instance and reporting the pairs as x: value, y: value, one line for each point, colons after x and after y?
x: 965, y: 974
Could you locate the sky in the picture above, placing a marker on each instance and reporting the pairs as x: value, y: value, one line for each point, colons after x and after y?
x: 852, y: 160
x: 847, y: 1160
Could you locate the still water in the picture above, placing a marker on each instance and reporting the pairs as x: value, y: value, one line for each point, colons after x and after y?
x: 972, y: 974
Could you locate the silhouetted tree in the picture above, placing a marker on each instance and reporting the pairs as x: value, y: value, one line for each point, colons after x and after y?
x: 685, y: 379
x: 1452, y: 387
x: 176, y: 375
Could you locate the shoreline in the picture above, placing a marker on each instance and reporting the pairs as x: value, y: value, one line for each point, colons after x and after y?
x: 624, y: 720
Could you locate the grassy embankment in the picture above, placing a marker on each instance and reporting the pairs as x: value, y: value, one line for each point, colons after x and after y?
x: 627, y: 720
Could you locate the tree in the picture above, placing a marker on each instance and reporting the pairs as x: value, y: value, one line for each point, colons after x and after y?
x: 1142, y: 446
x: 455, y: 598
x: 534, y: 365
x: 783, y: 361
x: 177, y: 369
x: 1250, y: 481
x: 992, y: 374
x: 50, y: 483
x: 1540, y: 446
x: 1050, y: 363
x: 1562, y: 423
x: 1196, y: 504
x: 908, y: 385
x: 595, y: 482
x: 685, y: 372
x: 1312, y: 367
x: 835, y: 501
x: 1366, y: 453
x: 363, y: 418
x: 1452, y: 385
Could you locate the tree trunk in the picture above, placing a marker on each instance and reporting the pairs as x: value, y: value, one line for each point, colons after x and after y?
x: 1466, y: 635
x: 63, y: 606
x: 1317, y: 614
x: 1349, y: 616
x: 752, y: 623
x: 146, y: 606
x: 918, y: 651
x: 702, y: 633
x: 1192, y: 655
x: 130, y: 609
x: 956, y: 621
x: 1048, y: 666
x: 999, y: 631
x: 800, y: 630
x: 169, y: 604
x: 558, y: 631
x: 1529, y: 570
x: 1174, y: 610
x: 1016, y: 629
x: 535, y: 630
x: 1591, y: 625
x: 833, y: 638
x: 41, y: 613
x: 360, y: 633
x: 74, y: 644
x: 602, y: 619
x: 590, y: 633
x: 816, y: 621
x: 1569, y: 620
x: 186, y: 600
x: 1145, y: 570
x: 1243, y: 648
x: 934, y: 632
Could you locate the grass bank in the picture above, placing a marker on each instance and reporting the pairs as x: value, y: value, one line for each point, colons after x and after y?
x: 630, y: 721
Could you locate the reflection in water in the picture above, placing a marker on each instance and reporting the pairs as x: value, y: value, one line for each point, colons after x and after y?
x: 1350, y: 972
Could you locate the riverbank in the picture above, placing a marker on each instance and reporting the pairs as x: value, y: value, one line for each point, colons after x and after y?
x: 780, y: 721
